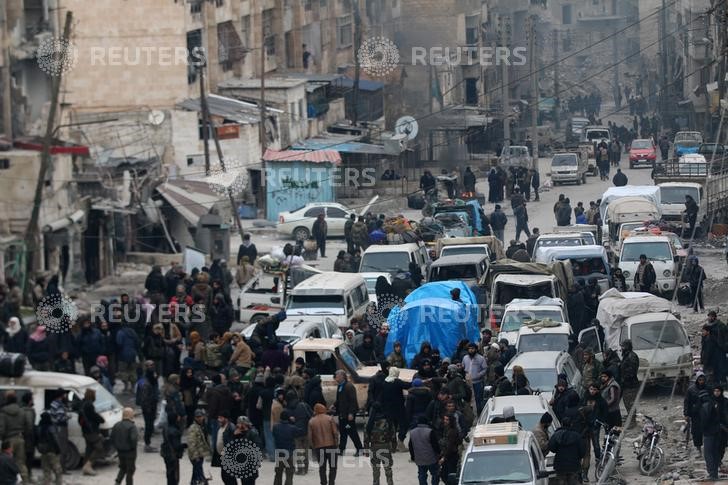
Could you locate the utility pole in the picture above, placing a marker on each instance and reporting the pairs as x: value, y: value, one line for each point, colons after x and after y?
x: 705, y: 78
x: 615, y: 55
x: 357, y: 66
x: 662, y: 32
x: 205, y: 118
x: 6, y: 95
x: 505, y: 27
x: 535, y: 94
x: 557, y: 95
x: 32, y: 232
x: 263, y: 141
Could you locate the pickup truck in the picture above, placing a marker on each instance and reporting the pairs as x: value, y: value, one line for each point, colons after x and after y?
x: 515, y: 156
x: 686, y: 142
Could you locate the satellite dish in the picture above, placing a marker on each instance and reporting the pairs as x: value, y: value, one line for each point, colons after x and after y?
x: 407, y: 126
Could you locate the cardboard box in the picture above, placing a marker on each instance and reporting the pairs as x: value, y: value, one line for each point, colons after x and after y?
x: 495, y: 434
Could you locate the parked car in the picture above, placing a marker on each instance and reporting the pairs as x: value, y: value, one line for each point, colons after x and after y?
x: 642, y: 152
x: 394, y: 258
x: 294, y: 329
x: 502, y: 453
x: 43, y: 387
x: 333, y: 296
x: 298, y: 223
x: 520, y: 312
x: 542, y: 369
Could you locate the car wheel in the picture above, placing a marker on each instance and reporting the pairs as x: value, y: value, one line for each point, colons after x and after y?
x: 260, y: 317
x: 578, y: 181
x: 70, y: 457
x: 631, y: 165
x: 583, y: 178
x: 301, y: 233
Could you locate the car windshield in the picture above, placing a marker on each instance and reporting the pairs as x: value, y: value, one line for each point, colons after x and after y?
x: 454, y: 272
x: 676, y: 195
x: 371, y: 284
x: 512, y: 320
x: 351, y: 360
x: 546, y: 341
x: 597, y: 135
x: 463, y: 250
x: 105, y: 401
x: 645, y: 336
x: 642, y: 144
x: 490, y: 467
x: 659, y: 251
x: 330, y: 304
x: 563, y: 160
x: 507, y: 292
x: 587, y: 266
x: 691, y: 138
x: 543, y: 380
x: 385, y: 262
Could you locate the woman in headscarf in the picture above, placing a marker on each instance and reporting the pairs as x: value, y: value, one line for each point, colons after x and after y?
x: 245, y: 272
x: 17, y: 338
x: 39, y: 353
x: 520, y: 382
x: 494, y: 186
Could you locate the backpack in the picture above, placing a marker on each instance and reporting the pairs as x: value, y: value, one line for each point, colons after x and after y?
x: 213, y: 357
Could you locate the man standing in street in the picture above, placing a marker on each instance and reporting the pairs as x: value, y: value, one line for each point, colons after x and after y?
x: 147, y: 399
x: 569, y: 449
x: 9, y: 470
x: 346, y: 408
x: 319, y: 231
x: 645, y: 275
x: 247, y: 248
x: 424, y: 450
x: 124, y: 437
x: 714, y: 423
x: 13, y: 426
x: 323, y: 434
x: 380, y: 437
x: 198, y: 446
x: 348, y: 226
x: 498, y: 221
x: 628, y: 369
x: 692, y: 405
x: 535, y: 183
x: 476, y: 370
x: 521, y: 221
x: 619, y: 179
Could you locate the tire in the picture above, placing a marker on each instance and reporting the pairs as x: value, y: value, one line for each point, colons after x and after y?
x: 71, y: 458
x: 301, y: 233
x: 583, y: 178
x: 579, y: 181
x: 631, y: 165
x: 255, y: 319
x: 651, y: 462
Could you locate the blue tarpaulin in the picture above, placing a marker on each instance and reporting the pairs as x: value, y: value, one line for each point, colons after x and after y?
x: 429, y: 314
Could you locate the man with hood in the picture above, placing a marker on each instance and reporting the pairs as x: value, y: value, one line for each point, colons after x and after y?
x: 694, y: 397
x: 562, y: 394
x: 312, y: 391
x: 366, y: 352
x: 396, y: 358
x: 13, y: 427
x: 16, y: 340
x: 301, y: 413
x: 156, y: 286
x: 124, y: 436
x: 714, y: 421
x: 568, y: 448
x: 457, y: 386
x: 392, y: 401
x: 323, y: 435
x: 476, y: 369
x: 419, y: 397
x: 424, y: 353
x: 148, y: 399
x: 502, y: 385
x: 628, y: 369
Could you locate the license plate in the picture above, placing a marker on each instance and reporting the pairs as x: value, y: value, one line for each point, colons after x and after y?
x: 641, y: 161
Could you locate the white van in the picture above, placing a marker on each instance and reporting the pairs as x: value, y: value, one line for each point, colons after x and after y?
x: 508, y: 287
x: 520, y: 312
x: 329, y: 296
x: 568, y: 167
x: 44, y: 386
x: 673, y: 357
x: 394, y: 258
x: 659, y: 251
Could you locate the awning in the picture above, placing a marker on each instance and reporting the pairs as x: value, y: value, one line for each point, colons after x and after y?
x: 341, y: 145
x: 58, y: 147
x: 313, y: 156
x: 190, y: 198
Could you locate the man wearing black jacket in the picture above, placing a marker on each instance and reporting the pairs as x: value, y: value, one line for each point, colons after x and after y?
x: 424, y: 450
x: 714, y: 421
x: 498, y: 221
x: 569, y: 450
x: 247, y: 248
x: 346, y: 409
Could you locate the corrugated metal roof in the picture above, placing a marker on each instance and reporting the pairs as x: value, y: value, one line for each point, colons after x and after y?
x: 364, y: 84
x: 228, y: 108
x: 313, y: 156
x: 192, y: 199
x: 342, y: 144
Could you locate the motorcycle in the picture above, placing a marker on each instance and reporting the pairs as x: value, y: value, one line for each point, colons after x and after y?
x: 647, y: 450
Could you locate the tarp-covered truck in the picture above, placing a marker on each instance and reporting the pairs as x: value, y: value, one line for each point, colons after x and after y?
x: 658, y: 337
x: 507, y: 280
x: 495, y: 246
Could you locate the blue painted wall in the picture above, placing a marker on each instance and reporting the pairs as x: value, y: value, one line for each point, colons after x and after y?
x: 291, y: 185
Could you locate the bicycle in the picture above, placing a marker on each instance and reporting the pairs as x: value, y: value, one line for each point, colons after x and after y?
x: 611, y: 438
